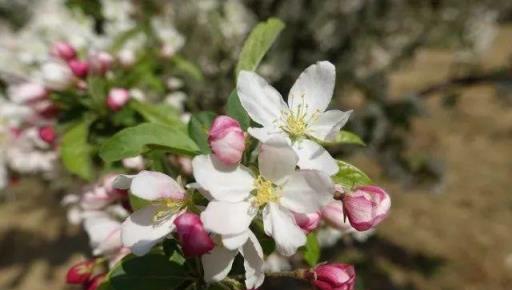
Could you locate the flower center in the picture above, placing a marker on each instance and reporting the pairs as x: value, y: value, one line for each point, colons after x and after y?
x: 167, y: 207
x: 265, y: 192
x: 296, y: 122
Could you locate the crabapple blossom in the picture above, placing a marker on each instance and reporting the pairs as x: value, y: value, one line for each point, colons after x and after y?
x: 334, y: 276
x: 334, y: 216
x: 63, y: 50
x: 278, y: 190
x: 227, y: 140
x: 219, y: 261
x: 136, y: 162
x: 80, y: 272
x: 79, y: 68
x: 366, y: 207
x: 303, y: 121
x: 57, y: 75
x: 194, y: 239
x: 117, y: 98
x: 149, y: 225
x: 99, y: 62
x: 27, y: 92
x: 307, y: 221
x: 95, y: 281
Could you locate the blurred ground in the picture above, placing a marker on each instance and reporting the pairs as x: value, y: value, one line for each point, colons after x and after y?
x: 458, y: 239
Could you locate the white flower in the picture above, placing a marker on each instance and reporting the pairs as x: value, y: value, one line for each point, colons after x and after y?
x: 278, y: 190
x: 303, y: 120
x: 150, y: 225
x: 219, y: 261
x: 57, y: 75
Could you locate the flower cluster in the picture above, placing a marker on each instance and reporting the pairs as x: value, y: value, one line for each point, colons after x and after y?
x: 283, y: 188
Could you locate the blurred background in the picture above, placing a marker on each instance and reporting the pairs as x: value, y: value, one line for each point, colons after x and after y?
x: 430, y: 83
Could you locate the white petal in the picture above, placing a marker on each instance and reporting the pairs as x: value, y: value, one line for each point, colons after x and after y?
x: 267, y: 220
x: 307, y: 191
x: 265, y: 133
x: 328, y: 124
x: 217, y: 263
x: 277, y: 160
x: 123, y: 181
x: 313, y: 89
x: 140, y: 233
x: 233, y: 242
x: 287, y: 235
x: 253, y: 262
x: 227, y: 218
x: 152, y: 185
x: 314, y: 156
x: 226, y: 183
x: 261, y: 101
x: 104, y: 233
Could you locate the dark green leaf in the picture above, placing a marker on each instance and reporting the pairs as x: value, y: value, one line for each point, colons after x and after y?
x: 198, y: 128
x: 162, y: 114
x: 235, y: 110
x: 172, y: 250
x: 258, y: 43
x: 133, y: 141
x: 75, y: 152
x: 312, y: 250
x: 350, y: 176
x: 153, y: 271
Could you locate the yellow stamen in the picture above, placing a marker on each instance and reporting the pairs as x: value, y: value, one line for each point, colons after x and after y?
x: 265, y: 192
x: 296, y: 123
x: 167, y: 207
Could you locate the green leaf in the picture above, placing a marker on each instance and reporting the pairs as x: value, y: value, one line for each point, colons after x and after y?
x: 153, y: 271
x: 347, y: 137
x: 133, y: 141
x: 161, y: 114
x: 258, y: 43
x: 186, y: 67
x: 75, y: 152
x: 350, y: 176
x: 235, y: 110
x: 172, y: 250
x: 198, y: 128
x: 137, y: 203
x: 312, y: 250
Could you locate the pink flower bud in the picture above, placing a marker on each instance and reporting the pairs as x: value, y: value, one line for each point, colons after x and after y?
x: 80, y: 273
x: 27, y: 93
x: 79, y: 68
x: 46, y: 109
x: 227, y: 140
x: 333, y: 215
x: 193, y: 238
x: 117, y: 98
x: 100, y: 62
x: 307, y: 222
x: 95, y: 282
x: 366, y: 207
x: 63, y: 50
x: 334, y: 276
x: 47, y: 134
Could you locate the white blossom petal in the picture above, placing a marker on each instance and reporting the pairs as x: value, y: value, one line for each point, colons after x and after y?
x: 328, y: 124
x: 152, y: 185
x: 218, y: 263
x: 140, y: 232
x: 307, y: 191
x: 253, y: 262
x: 261, y: 101
x: 104, y: 234
x: 287, y: 235
x: 313, y: 156
x: 313, y: 89
x: 277, y: 160
x: 233, y: 242
x: 226, y: 183
x: 265, y: 133
x: 227, y: 218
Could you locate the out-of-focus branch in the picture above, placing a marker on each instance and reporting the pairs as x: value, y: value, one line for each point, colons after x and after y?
x: 471, y: 80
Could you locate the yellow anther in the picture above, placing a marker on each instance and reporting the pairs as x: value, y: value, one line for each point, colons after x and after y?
x: 265, y: 192
x: 166, y: 207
